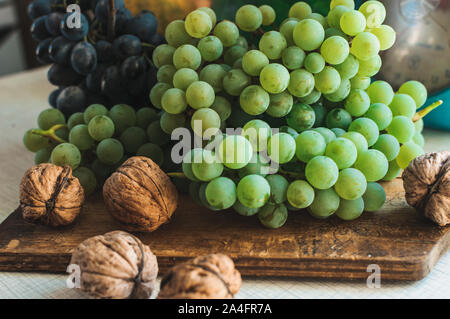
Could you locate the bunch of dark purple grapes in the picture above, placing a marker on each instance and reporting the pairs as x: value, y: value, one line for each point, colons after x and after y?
x: 102, y: 57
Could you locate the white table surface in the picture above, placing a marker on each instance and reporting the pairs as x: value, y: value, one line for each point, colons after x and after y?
x: 24, y: 95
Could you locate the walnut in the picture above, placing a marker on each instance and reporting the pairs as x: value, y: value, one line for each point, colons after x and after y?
x: 205, y: 277
x: 140, y: 195
x: 50, y: 195
x: 116, y: 265
x: 427, y: 186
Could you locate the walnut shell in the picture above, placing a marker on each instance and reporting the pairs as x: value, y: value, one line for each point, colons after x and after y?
x: 205, y: 277
x: 50, y: 195
x: 140, y: 195
x: 116, y: 265
x: 427, y: 186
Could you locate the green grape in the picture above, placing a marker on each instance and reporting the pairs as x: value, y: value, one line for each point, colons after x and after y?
x: 163, y: 54
x: 280, y: 104
x: 222, y: 106
x: 329, y: 32
x: 87, y: 179
x: 227, y: 32
x: 287, y: 30
x: 187, y: 56
x: 238, y: 117
x: 274, y: 78
x: 200, y: 94
x: 321, y: 172
x: 193, y: 156
x: 210, y: 48
x: 358, y: 139
x: 328, y: 80
x: 418, y: 139
x: 300, y: 10
x: 370, y: 66
x: 101, y: 171
x: 321, y: 112
x: 152, y: 151
x: 194, y: 192
x: 339, y: 132
x: 301, y: 117
x: 309, y: 145
x: 79, y: 136
x: 293, y: 57
x: 342, y: 151
x: 238, y: 64
x: 202, y: 197
x: 272, y: 44
x: 301, y: 83
x: 351, y: 184
x: 350, y: 209
x: 278, y: 188
x: 145, y: 116
x: 386, y: 35
x: 49, y: 118
x: 253, y: 191
x: 235, y: 82
x: 210, y: 12
x: 308, y: 34
x: 133, y: 138
x: 281, y: 148
x: 357, y: 103
x: 335, y: 50
x: 367, y: 127
x: 338, y: 118
x: 374, y: 197
x: 253, y: 62
x: 388, y: 145
x: 43, y: 155
x: 235, y: 151
x: 175, y: 35
x: 347, y: 3
x: 311, y: 98
x: 360, y: 82
x: 365, y: 45
x: 327, y: 134
x: 419, y: 125
x: 254, y: 100
x: 101, y: 127
x: 319, y: 18
x: 243, y: 210
x: 349, y: 68
x: 110, y: 151
x: 407, y: 153
x: 352, y: 22
x: 123, y: 117
x: 66, y: 154
x: 205, y: 122
x: 174, y: 101
x: 221, y: 193
x: 258, y: 165
x: 268, y: 14
x: 300, y: 194
x: 63, y: 133
x: 165, y: 74
x: 341, y: 93
x: 375, y: 13
x: 380, y: 114
x: 182, y: 79
x: 234, y: 53
x: 289, y: 130
x: 273, y: 216
x: 75, y: 119
x: 325, y: 203
x: 380, y: 92
x: 335, y: 15
x: 416, y: 90
x: 402, y: 128
x: 393, y: 171
x: 157, y: 92
x: 208, y: 167
x: 403, y: 104
x: 258, y: 133
x: 156, y: 135
x: 198, y: 24
x: 248, y: 18
x: 34, y: 142
x: 170, y: 122
x: 373, y: 164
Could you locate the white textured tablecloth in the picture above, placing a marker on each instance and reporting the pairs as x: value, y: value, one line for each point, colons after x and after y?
x: 23, y: 96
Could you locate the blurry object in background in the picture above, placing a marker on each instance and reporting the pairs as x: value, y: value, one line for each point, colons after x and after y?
x: 29, y: 46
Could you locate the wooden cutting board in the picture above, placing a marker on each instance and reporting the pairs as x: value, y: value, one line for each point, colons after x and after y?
x: 403, y: 244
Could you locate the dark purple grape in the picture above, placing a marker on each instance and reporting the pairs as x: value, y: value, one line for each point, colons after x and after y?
x: 73, y: 33
x: 53, y: 97
x: 60, y: 49
x: 102, y: 9
x: 53, y: 23
x: 38, y: 30
x: 157, y: 39
x: 138, y: 85
x: 111, y: 81
x: 104, y: 51
x: 151, y: 77
x: 60, y: 75
x: 127, y: 45
x: 133, y: 67
x: 94, y: 79
x: 39, y: 8
x: 144, y: 26
x: 42, y: 51
x: 83, y: 58
x: 71, y: 100
x: 123, y: 17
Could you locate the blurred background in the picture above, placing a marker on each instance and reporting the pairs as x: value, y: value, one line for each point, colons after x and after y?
x: 421, y: 52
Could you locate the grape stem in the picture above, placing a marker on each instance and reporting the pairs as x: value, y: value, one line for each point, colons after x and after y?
x: 177, y: 175
x: 50, y: 133
x: 291, y: 174
x: 112, y: 20
x: 148, y: 45
x: 422, y: 113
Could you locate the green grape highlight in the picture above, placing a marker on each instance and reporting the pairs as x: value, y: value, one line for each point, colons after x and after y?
x: 352, y: 22
x: 198, y: 24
